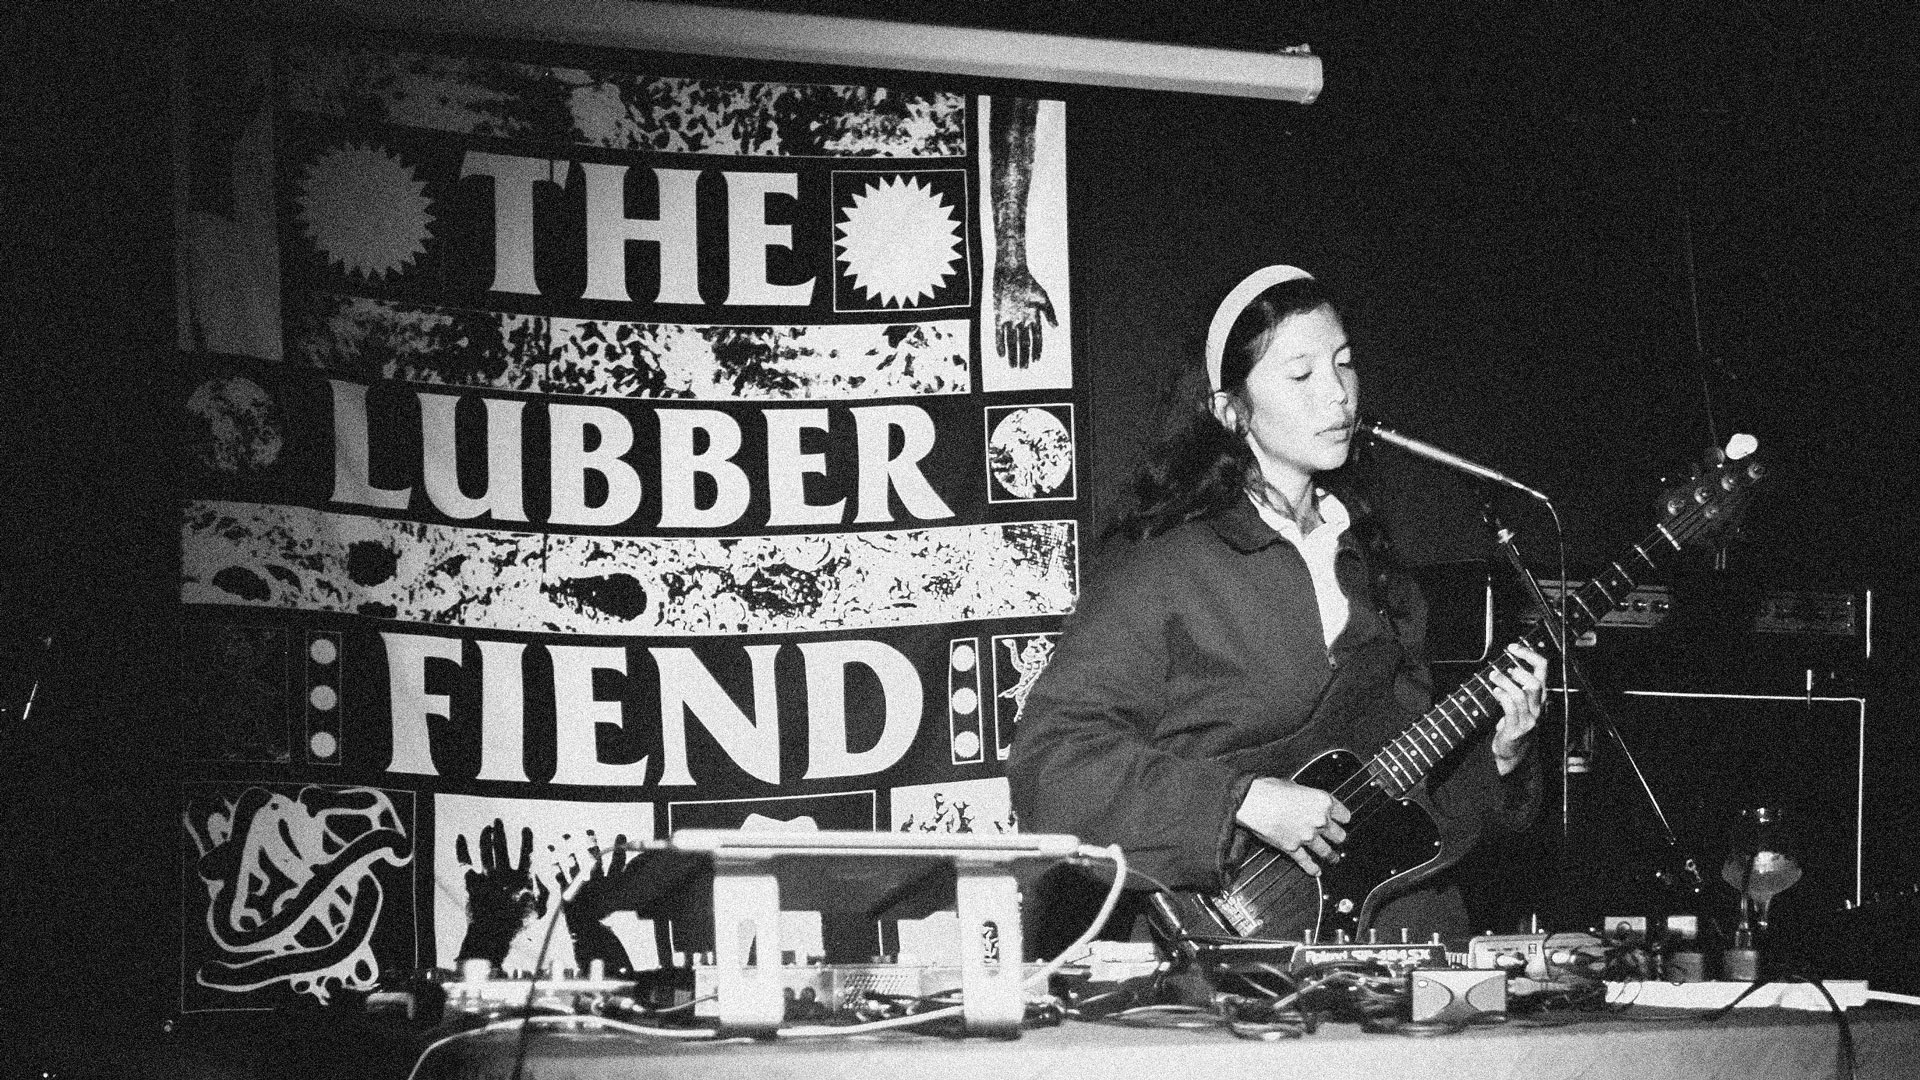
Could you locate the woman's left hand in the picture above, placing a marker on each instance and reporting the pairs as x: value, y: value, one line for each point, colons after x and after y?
x: 1522, y: 695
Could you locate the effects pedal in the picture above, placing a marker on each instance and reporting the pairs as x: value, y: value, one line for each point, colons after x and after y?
x: 1539, y: 957
x: 1398, y: 957
x: 1519, y: 954
x: 1293, y: 957
x: 1453, y: 997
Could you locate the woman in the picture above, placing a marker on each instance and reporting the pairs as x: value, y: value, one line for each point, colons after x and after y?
x: 1257, y: 620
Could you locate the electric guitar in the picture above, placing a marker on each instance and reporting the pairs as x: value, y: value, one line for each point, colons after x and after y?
x: 1393, y: 843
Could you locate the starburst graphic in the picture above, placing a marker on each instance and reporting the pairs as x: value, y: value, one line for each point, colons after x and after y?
x: 899, y: 240
x: 364, y: 210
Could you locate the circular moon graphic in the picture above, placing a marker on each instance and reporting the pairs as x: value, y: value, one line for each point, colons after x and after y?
x: 240, y: 425
x: 1030, y: 453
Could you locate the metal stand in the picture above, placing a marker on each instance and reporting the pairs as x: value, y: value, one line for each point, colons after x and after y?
x: 746, y: 945
x: 991, y: 976
x: 1685, y: 873
x: 883, y: 875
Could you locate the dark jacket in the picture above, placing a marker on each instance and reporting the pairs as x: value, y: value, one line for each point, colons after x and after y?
x: 1197, y: 664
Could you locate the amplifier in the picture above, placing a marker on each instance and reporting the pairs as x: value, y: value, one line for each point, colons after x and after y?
x: 1706, y: 757
x: 1805, y: 612
x: 1474, y: 608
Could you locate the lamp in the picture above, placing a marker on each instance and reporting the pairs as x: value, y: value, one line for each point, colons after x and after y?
x: 1760, y: 865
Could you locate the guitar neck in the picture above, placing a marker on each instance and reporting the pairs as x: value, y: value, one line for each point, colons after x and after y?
x: 1407, y: 759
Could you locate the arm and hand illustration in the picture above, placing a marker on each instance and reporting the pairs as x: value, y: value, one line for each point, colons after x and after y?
x: 588, y: 902
x: 501, y: 896
x: 1019, y: 300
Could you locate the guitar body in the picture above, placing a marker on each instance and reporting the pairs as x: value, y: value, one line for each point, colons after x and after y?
x: 1394, y: 848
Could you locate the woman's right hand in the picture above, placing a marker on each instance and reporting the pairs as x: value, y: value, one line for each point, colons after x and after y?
x: 1304, y: 822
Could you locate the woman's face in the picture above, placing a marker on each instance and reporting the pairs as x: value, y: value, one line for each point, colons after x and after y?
x: 1300, y: 401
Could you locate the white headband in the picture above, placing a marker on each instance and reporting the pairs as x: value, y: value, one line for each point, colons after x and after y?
x: 1236, y: 302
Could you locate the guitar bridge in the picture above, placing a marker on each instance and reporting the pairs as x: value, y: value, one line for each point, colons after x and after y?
x: 1238, y: 914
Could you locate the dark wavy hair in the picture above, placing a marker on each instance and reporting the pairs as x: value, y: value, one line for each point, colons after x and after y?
x: 1198, y: 468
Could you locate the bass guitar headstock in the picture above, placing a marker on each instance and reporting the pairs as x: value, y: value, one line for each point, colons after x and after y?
x: 1714, y: 496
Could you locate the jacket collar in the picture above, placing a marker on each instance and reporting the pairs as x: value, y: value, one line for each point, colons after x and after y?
x: 1242, y: 527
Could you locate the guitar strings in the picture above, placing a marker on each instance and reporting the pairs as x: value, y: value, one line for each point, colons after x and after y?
x: 1361, y: 795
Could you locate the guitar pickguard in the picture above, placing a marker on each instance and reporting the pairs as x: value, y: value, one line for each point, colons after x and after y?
x: 1389, y: 850
x: 1396, y: 846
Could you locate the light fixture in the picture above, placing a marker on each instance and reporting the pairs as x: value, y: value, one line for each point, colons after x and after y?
x: 1287, y: 75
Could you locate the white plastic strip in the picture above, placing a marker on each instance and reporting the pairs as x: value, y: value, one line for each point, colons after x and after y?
x: 821, y: 39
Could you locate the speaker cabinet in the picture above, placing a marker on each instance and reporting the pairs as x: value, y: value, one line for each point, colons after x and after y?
x: 1702, y: 757
x: 1708, y: 756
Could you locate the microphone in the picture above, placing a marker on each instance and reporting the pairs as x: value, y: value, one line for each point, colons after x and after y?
x: 1451, y: 460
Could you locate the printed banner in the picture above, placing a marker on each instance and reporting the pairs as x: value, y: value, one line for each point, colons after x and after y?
x: 577, y: 455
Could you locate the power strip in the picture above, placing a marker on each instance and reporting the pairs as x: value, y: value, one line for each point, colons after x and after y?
x: 843, y: 991
x: 482, y: 994
x: 1847, y: 993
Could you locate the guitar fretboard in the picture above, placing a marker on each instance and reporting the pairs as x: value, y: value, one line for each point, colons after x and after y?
x: 1407, y: 759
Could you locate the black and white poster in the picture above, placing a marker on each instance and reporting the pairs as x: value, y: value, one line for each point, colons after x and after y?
x: 577, y: 454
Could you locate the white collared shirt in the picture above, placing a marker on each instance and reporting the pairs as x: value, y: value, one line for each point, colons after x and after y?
x: 1319, y: 548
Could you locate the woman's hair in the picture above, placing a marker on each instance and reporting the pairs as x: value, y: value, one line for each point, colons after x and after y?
x: 1198, y: 467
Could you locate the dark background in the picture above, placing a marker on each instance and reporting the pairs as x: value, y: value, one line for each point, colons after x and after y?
x: 1578, y: 243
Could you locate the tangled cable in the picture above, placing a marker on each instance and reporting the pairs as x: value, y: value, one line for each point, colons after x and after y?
x: 1265, y: 1002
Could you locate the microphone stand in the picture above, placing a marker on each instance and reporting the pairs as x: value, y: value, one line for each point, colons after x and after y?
x: 1556, y: 629
x: 1681, y: 864
x: 1570, y: 668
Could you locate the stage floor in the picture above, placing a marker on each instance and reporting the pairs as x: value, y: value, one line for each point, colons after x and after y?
x: 1640, y: 1044
x: 1636, y: 1045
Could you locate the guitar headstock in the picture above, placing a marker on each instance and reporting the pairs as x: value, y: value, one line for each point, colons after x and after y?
x: 1714, y: 496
